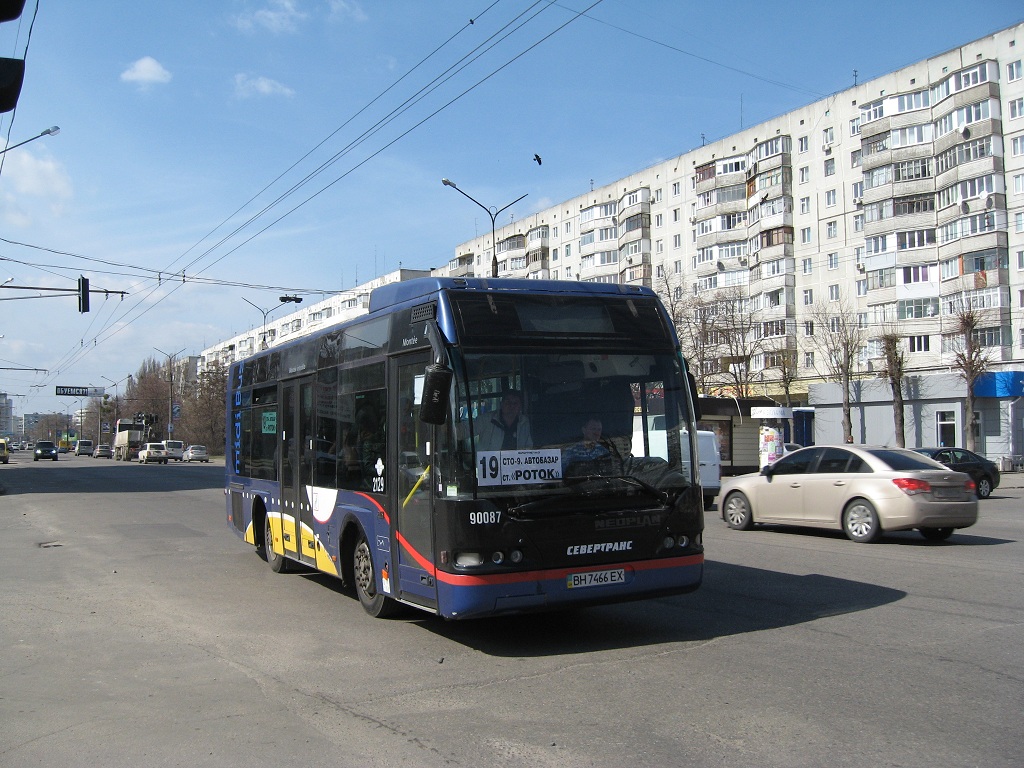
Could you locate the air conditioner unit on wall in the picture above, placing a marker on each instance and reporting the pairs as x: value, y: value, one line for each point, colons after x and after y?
x: 860, y: 267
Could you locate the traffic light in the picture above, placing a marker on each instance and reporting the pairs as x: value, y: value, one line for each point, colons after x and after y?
x: 83, y: 294
x: 12, y: 71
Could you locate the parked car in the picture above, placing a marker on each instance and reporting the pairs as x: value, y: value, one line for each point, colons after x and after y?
x: 103, y: 451
x: 175, y: 449
x: 83, y: 448
x: 196, y: 453
x: 859, y: 490
x: 983, y: 472
x: 5, y: 455
x: 45, y: 449
x: 154, y: 452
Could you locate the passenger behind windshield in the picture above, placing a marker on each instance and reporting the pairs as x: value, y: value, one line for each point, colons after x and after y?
x: 506, y: 430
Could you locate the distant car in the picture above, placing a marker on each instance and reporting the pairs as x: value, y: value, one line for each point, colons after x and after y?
x: 45, y: 449
x: 103, y: 451
x: 196, y: 453
x: 860, y: 490
x: 83, y: 448
x: 175, y: 449
x: 790, y: 447
x: 4, y: 452
x: 983, y: 472
x: 153, y: 452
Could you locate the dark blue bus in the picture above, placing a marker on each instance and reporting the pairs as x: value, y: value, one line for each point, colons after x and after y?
x: 475, y: 447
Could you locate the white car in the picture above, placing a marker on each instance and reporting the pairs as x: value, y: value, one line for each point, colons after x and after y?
x: 153, y: 452
x: 196, y: 453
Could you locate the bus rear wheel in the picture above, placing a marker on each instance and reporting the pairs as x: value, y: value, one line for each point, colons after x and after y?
x: 278, y: 563
x: 363, y: 577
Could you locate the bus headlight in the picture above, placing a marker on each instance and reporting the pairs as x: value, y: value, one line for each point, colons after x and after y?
x: 668, y: 542
x: 497, y: 558
x: 468, y: 559
x: 515, y: 556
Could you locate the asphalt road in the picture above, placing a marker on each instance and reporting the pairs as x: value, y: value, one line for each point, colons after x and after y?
x: 137, y: 630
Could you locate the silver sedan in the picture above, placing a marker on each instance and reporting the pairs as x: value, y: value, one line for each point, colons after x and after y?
x: 860, y: 490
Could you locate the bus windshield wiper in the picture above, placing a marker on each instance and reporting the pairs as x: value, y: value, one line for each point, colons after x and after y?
x: 662, y: 496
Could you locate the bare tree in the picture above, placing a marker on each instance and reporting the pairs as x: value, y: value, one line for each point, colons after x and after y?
x: 970, y: 359
x: 203, y: 410
x: 838, y: 339
x: 895, y: 370
x: 693, y: 318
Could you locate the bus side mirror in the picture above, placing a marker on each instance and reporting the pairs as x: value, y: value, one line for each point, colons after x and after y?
x: 437, y: 383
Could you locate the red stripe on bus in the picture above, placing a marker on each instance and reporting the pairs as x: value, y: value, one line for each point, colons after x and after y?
x: 460, y: 580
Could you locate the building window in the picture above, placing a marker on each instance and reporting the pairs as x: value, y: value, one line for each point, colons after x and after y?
x: 808, y: 359
x: 858, y: 222
x: 830, y: 198
x: 1017, y: 146
x: 832, y: 229
x: 677, y: 241
x: 805, y: 235
x: 808, y: 296
x: 830, y: 166
x: 862, y: 287
x: 808, y: 266
x: 1013, y: 71
x: 805, y: 205
x: 805, y: 174
x: 827, y: 136
x: 803, y: 144
x: 808, y: 327
x: 833, y: 292
x: 833, y: 261
x: 1016, y: 108
x: 918, y: 343
x: 855, y: 126
x: 675, y: 189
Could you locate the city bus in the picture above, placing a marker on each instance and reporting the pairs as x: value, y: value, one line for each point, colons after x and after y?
x: 359, y: 450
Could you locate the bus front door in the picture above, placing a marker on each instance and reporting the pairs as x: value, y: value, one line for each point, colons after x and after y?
x: 297, y: 461
x: 411, y: 492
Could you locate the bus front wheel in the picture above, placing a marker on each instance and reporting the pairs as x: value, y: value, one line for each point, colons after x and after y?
x: 363, y: 577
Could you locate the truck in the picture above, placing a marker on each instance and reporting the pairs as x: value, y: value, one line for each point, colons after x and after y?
x: 129, y: 435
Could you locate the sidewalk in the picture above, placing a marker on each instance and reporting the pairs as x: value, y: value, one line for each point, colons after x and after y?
x: 1013, y: 479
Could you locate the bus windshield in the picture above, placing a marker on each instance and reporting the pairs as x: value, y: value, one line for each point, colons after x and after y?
x: 574, y: 424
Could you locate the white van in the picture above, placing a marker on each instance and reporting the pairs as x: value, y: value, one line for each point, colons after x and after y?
x: 709, y: 457
x: 709, y: 460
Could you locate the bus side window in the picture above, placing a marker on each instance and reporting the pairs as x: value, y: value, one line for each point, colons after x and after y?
x: 364, y: 442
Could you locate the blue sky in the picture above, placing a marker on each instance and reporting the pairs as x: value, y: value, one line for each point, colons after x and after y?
x: 183, y: 122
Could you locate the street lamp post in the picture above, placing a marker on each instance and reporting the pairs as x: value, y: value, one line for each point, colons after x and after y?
x: 52, y: 131
x: 170, y: 390
x: 284, y: 300
x: 115, y: 383
x: 493, y: 213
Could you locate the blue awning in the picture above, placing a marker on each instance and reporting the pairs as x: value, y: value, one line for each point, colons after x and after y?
x: 1000, y: 384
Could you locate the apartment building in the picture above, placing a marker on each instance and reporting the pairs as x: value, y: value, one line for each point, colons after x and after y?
x: 891, y: 207
x: 333, y: 309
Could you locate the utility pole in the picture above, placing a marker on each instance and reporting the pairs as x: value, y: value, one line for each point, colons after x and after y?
x: 170, y: 390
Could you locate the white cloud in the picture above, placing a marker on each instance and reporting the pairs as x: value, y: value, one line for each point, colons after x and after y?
x: 145, y: 72
x: 279, y: 16
x: 347, y: 9
x: 248, y: 87
x: 32, y: 188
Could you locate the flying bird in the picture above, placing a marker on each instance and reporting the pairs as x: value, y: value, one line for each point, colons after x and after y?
x: 537, y: 159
